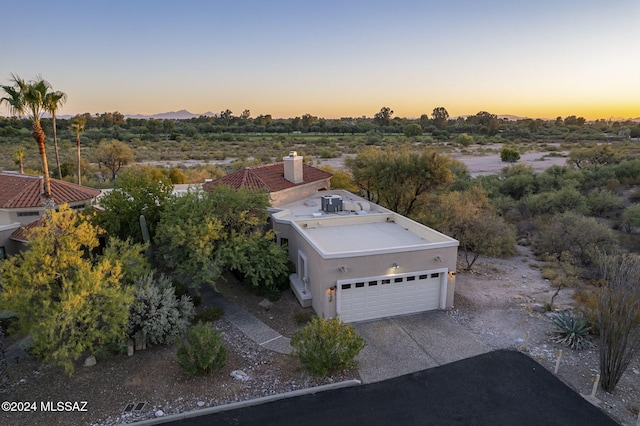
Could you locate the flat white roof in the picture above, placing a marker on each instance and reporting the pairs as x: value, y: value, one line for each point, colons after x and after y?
x: 364, y: 237
x: 349, y: 234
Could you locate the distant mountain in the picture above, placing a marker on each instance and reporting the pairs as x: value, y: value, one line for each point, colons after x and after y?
x: 183, y: 114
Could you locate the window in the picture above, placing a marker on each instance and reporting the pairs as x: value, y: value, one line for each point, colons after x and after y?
x: 25, y: 214
x: 423, y: 277
x: 386, y: 281
x: 397, y: 280
x: 284, y: 242
x: 346, y: 286
x: 411, y: 278
x: 359, y: 285
x: 373, y: 283
x: 435, y: 275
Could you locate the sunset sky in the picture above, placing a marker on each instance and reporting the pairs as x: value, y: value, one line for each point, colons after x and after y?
x: 330, y: 58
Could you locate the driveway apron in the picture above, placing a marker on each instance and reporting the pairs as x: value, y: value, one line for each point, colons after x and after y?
x: 406, y: 344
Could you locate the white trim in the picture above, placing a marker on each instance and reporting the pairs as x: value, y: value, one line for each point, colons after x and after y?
x: 11, y: 226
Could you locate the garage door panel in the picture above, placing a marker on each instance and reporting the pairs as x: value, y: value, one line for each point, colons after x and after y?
x: 361, y: 300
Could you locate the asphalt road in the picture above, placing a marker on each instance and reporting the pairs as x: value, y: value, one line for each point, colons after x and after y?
x: 496, y: 388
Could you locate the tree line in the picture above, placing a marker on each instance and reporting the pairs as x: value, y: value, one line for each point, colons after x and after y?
x: 438, y: 124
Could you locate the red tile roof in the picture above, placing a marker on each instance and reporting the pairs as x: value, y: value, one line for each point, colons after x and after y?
x: 24, y: 191
x: 20, y: 234
x: 268, y: 177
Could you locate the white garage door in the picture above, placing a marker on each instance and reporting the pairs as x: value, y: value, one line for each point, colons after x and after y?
x: 378, y: 297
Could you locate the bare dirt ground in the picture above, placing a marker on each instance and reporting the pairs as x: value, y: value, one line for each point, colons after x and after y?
x: 497, y: 302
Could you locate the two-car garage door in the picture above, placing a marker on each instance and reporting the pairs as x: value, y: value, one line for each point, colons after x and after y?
x: 379, y: 297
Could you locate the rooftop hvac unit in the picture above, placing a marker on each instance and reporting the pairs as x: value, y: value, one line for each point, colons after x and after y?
x: 331, y: 203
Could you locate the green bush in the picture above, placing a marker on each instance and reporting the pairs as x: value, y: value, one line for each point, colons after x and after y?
x: 203, y: 352
x: 509, y: 155
x: 464, y: 139
x: 602, y: 201
x: 552, y: 202
x: 574, y: 235
x: 327, y: 346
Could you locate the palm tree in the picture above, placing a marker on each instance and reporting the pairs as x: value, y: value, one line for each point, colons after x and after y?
x: 20, y: 159
x: 28, y: 98
x: 52, y: 102
x: 78, y: 126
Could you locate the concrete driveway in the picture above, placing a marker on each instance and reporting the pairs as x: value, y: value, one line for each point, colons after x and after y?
x: 406, y: 344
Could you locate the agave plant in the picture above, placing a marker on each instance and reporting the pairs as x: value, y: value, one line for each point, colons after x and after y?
x: 571, y: 330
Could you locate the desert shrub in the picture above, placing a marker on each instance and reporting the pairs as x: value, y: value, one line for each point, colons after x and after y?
x: 574, y: 235
x: 628, y: 171
x: 517, y: 181
x: 602, y: 201
x: 549, y: 273
x: 509, y: 155
x: 571, y: 330
x: 464, y: 139
x: 553, y: 202
x: 157, y: 315
x: 327, y: 346
x: 618, y: 310
x: 203, y: 352
x: 631, y: 218
x: 373, y: 138
x: 413, y: 129
x: 209, y: 314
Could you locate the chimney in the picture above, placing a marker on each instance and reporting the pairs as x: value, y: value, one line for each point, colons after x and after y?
x: 293, y: 167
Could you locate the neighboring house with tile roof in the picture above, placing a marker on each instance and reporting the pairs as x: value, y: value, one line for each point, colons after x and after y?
x: 285, y: 181
x: 21, y: 204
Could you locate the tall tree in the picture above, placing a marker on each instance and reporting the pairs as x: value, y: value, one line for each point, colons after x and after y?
x: 28, y: 98
x: 201, y: 233
x: 383, y: 117
x: 69, y: 303
x: 77, y: 125
x: 137, y: 191
x: 52, y: 102
x: 114, y: 155
x: 19, y: 155
x: 226, y: 116
x: 400, y: 178
x: 470, y: 218
x: 440, y: 116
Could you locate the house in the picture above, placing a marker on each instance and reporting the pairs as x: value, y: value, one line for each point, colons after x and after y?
x: 353, y: 258
x: 285, y: 181
x: 21, y: 205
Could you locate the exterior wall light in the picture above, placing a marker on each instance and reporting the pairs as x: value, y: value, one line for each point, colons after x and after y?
x: 332, y: 292
x: 395, y: 265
